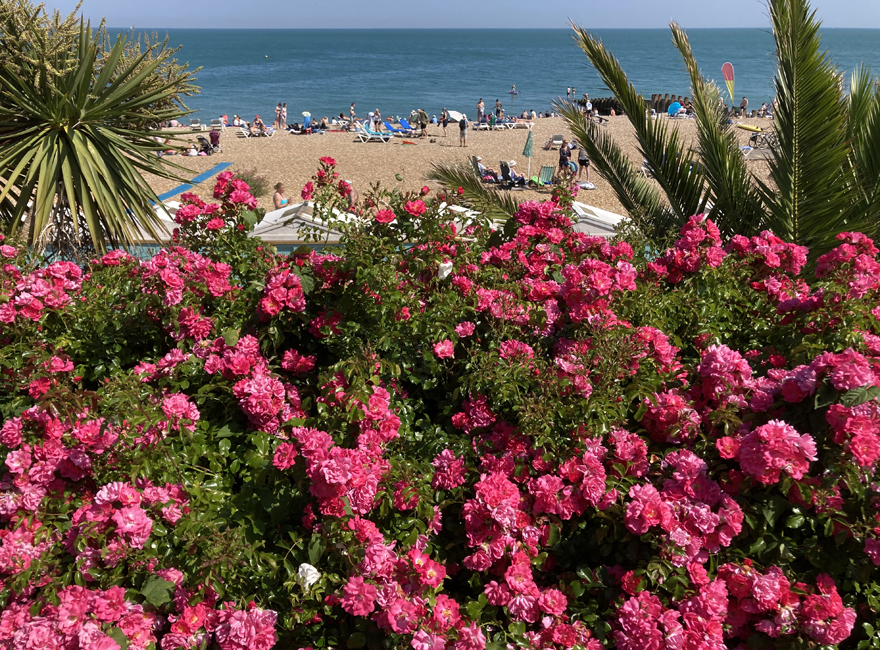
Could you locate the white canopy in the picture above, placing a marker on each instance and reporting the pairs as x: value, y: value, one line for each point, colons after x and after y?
x: 596, y: 221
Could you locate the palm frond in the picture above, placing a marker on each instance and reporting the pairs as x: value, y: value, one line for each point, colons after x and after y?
x: 673, y: 165
x: 863, y: 135
x: 736, y: 204
x: 76, y: 149
x: 807, y: 199
x: 489, y: 201
x: 639, y: 197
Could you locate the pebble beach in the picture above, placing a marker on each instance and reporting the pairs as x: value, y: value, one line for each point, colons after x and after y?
x: 292, y: 159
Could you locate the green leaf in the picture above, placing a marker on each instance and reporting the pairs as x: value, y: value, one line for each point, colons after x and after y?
x: 119, y: 636
x: 230, y: 336
x: 356, y: 640
x: 157, y: 591
x: 795, y: 521
x: 860, y: 395
x: 316, y: 549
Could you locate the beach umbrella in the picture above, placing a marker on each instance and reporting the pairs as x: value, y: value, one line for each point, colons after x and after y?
x: 727, y: 71
x: 455, y: 116
x: 306, y: 114
x: 527, y: 152
x: 674, y: 107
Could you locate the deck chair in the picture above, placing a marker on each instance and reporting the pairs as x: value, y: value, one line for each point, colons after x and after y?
x: 556, y: 141
x: 367, y: 135
x: 217, y: 124
x: 196, y: 125
x: 396, y: 131
x: 244, y: 132
x: 546, y: 177
x: 507, y: 181
x: 406, y: 125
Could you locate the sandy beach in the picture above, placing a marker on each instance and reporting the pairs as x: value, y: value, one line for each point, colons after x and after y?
x: 292, y: 159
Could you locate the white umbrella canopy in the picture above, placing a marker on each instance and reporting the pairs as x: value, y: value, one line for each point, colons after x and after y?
x: 455, y: 116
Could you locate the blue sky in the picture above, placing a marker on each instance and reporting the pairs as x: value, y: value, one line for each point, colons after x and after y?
x: 456, y: 13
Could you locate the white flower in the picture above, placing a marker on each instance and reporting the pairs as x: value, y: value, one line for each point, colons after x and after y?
x: 308, y: 575
x: 444, y: 270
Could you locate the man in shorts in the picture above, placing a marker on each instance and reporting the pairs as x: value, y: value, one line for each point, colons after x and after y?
x: 462, y: 131
x: 497, y: 108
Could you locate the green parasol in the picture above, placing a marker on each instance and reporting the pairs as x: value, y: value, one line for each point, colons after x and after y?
x: 527, y: 152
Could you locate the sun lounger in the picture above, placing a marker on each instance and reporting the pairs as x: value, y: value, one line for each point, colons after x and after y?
x: 196, y: 125
x: 556, y: 141
x: 396, y: 131
x: 244, y: 132
x: 406, y: 125
x: 366, y: 135
x: 521, y: 125
x: 546, y: 177
x: 217, y: 124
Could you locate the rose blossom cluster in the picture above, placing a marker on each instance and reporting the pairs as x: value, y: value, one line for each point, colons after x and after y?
x: 699, y: 245
x: 175, y: 271
x: 45, y: 290
x: 697, y: 518
x: 267, y: 401
x: 83, y: 618
x: 283, y: 290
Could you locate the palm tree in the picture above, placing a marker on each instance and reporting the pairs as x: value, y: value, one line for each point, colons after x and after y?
x: 824, y: 174
x: 74, y: 138
x: 824, y: 171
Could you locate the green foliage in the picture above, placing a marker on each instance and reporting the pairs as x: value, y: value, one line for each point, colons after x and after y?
x: 823, y: 174
x: 259, y: 184
x: 75, y: 142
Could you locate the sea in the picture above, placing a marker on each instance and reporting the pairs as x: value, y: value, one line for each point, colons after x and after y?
x: 248, y: 72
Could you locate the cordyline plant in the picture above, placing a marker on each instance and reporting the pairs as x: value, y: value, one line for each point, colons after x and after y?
x: 75, y: 131
x: 440, y: 436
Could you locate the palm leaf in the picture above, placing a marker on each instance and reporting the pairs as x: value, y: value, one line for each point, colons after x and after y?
x: 863, y: 135
x: 673, y: 165
x: 490, y: 202
x: 639, y: 198
x: 736, y: 204
x: 808, y: 200
x: 76, y: 148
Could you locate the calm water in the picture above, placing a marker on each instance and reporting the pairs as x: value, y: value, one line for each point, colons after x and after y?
x: 249, y: 71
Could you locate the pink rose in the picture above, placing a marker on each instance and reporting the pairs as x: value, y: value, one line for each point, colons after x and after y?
x: 385, y: 216
x: 444, y: 349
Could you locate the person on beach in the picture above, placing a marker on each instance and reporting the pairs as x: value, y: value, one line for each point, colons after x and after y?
x: 377, y: 121
x: 518, y: 179
x: 277, y: 123
x: 485, y: 172
x: 583, y: 164
x: 497, y: 108
x: 481, y: 107
x: 444, y: 121
x: 743, y: 105
x: 284, y: 115
x: 462, y: 131
x: 568, y: 93
x: 278, y: 198
x: 423, y: 123
x: 351, y: 114
x: 564, y: 156
x: 352, y: 196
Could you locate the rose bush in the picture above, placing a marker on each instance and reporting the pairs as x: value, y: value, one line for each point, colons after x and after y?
x: 440, y: 435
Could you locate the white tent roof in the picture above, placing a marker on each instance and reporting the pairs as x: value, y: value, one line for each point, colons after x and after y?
x: 596, y: 221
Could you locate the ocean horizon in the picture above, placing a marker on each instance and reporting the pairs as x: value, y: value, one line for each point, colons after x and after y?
x: 249, y: 71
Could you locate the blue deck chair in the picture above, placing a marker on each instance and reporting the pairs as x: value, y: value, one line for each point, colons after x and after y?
x: 406, y: 125
x: 396, y: 130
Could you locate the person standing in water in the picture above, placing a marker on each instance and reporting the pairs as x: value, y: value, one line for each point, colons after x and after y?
x: 284, y: 115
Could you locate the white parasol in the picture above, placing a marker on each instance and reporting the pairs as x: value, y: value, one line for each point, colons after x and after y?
x: 455, y: 116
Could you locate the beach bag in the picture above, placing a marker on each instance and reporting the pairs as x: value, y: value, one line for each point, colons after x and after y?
x: 462, y: 124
